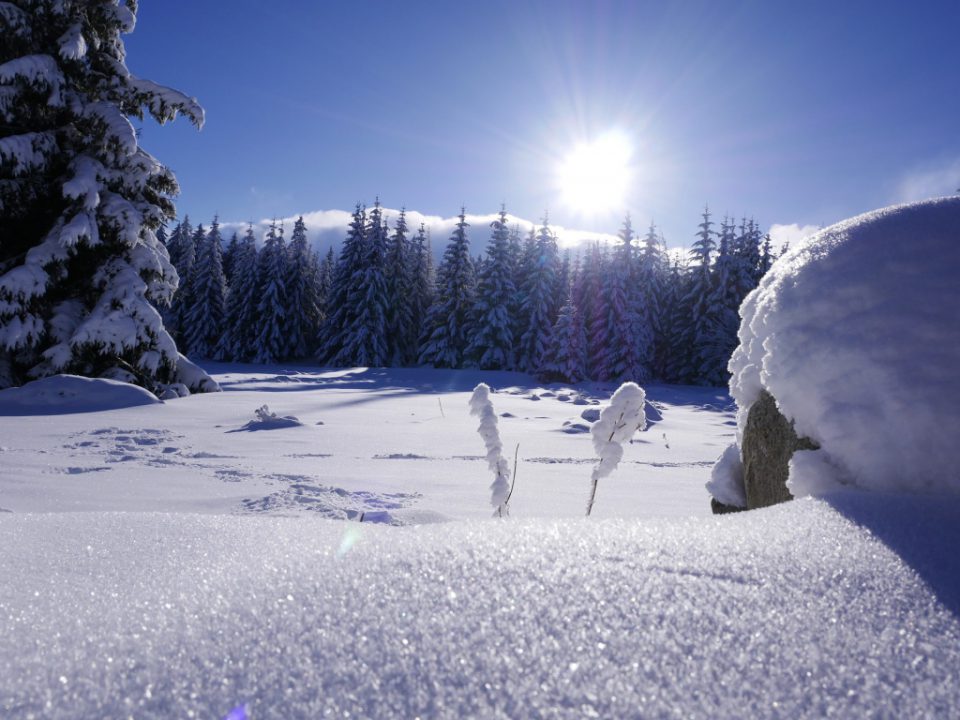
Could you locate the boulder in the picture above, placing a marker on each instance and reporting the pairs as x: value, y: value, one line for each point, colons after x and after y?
x: 769, y: 441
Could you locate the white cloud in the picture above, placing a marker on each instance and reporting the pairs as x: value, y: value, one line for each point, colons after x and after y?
x: 793, y: 233
x: 928, y: 182
x: 328, y: 228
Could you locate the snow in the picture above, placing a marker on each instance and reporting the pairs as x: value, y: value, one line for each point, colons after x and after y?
x: 791, y: 612
x: 726, y: 478
x: 855, y: 332
x: 615, y: 426
x: 71, y: 394
x: 156, y: 564
x: 482, y: 407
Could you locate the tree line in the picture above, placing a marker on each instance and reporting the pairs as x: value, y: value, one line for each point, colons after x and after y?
x: 607, y: 312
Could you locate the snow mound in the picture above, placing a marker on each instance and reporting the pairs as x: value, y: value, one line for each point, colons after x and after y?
x: 268, y: 420
x: 856, y: 333
x: 792, y: 612
x: 62, y: 394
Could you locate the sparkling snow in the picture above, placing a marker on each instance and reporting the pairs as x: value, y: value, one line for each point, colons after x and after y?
x: 239, y: 571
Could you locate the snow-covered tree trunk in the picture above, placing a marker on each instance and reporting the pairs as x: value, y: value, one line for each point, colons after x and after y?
x: 80, y: 201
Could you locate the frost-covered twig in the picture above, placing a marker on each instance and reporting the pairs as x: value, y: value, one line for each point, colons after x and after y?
x: 513, y: 481
x: 481, y: 406
x: 617, y: 424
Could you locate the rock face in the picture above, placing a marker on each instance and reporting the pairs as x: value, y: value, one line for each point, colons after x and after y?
x: 769, y: 442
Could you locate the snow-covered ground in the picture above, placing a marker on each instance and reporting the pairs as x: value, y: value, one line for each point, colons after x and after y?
x: 237, y: 571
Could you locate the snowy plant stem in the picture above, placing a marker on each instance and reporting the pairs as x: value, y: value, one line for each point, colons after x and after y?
x: 616, y: 425
x: 481, y: 406
x: 513, y: 481
x: 596, y: 474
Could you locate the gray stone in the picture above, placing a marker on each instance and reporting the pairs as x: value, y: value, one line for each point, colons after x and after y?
x: 769, y: 442
x: 591, y: 415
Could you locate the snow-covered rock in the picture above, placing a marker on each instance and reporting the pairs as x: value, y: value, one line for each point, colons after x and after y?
x: 856, y: 333
x: 60, y: 394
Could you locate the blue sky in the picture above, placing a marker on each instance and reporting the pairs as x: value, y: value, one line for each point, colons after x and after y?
x: 796, y: 113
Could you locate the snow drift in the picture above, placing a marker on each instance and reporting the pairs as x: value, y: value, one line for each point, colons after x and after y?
x: 61, y: 394
x: 856, y: 333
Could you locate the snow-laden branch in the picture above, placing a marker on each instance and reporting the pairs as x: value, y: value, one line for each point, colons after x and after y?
x: 618, y: 422
x: 481, y: 406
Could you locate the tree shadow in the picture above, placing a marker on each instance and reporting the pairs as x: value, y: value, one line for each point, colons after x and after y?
x: 923, y: 530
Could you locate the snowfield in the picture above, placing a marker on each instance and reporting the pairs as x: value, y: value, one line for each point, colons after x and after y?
x: 237, y: 573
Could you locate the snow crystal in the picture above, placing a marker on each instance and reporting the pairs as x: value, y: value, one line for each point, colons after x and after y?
x: 71, y: 394
x: 856, y: 334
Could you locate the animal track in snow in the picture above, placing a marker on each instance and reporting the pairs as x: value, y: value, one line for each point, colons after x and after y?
x: 303, y: 494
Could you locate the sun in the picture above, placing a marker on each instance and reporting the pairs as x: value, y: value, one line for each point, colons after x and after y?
x: 595, y: 176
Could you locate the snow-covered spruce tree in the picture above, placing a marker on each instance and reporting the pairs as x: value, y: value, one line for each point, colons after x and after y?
x: 422, y: 290
x: 303, y: 313
x: 271, y: 343
x: 324, y: 280
x: 540, y: 307
x: 230, y: 256
x: 618, y: 422
x: 565, y: 359
x: 651, y: 279
x: 629, y: 335
x: 340, y: 313
x: 766, y: 255
x: 81, y: 269
x: 398, y: 275
x: 482, y: 407
x: 364, y: 342
x: 450, y: 313
x: 238, y: 341
x: 694, y: 307
x: 675, y: 353
x: 491, y: 347
x: 591, y: 298
x: 203, y: 320
x: 717, y: 333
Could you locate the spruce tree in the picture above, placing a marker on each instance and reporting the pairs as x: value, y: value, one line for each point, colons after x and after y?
x: 719, y: 322
x: 491, y: 344
x: 324, y: 282
x: 589, y: 297
x: 364, y: 341
x: 423, y: 286
x: 539, y: 308
x: 341, y: 314
x: 80, y: 201
x: 238, y: 341
x: 203, y: 318
x: 565, y: 358
x: 271, y: 343
x: 629, y: 342
x: 230, y: 256
x: 303, y: 313
x: 447, y: 323
x: 400, y: 322
x: 697, y: 329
